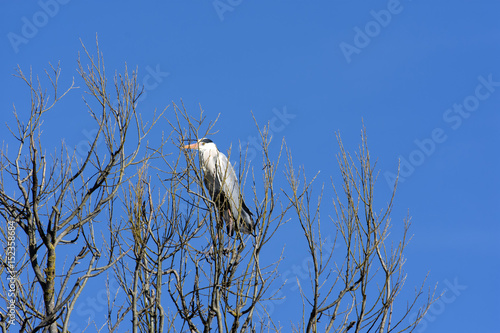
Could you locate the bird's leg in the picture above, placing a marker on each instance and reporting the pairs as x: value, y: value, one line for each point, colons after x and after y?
x: 214, y: 238
x: 228, y: 217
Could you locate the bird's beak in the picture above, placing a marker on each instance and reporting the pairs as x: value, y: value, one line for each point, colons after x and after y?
x: 191, y: 146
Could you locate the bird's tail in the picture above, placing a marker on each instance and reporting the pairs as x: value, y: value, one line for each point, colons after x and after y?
x: 246, y: 225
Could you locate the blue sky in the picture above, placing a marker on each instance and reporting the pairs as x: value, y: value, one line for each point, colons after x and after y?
x: 424, y: 77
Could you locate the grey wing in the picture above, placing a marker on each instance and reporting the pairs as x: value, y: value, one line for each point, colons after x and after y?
x: 231, y: 188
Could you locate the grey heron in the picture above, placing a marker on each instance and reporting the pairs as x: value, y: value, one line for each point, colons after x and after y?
x: 222, y: 185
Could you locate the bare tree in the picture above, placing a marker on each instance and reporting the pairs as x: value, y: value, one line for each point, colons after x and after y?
x: 59, y: 198
x: 212, y: 280
x: 164, y: 240
x: 357, y: 292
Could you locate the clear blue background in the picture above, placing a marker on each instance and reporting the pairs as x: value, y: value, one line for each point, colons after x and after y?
x: 262, y: 56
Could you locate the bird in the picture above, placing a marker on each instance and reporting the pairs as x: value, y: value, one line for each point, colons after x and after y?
x: 222, y: 185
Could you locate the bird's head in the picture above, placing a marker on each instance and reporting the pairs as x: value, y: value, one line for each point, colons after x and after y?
x: 203, y: 144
